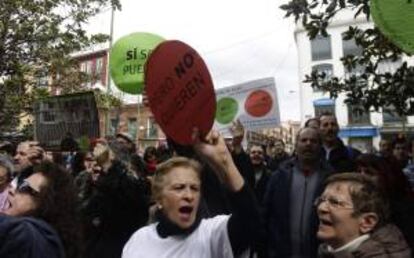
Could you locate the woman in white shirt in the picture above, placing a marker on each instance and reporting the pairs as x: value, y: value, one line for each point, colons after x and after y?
x: 179, y: 230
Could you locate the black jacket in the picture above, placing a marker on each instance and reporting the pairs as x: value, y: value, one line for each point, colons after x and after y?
x: 27, y: 237
x: 342, y: 158
x: 117, y: 207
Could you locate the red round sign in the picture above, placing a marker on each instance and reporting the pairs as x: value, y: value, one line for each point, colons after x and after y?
x: 258, y: 103
x: 180, y: 91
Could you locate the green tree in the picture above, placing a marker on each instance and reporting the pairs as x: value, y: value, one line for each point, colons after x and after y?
x: 36, y: 36
x: 372, y: 89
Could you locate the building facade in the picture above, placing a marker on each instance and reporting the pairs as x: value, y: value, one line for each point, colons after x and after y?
x: 137, y: 121
x: 361, y: 130
x: 132, y: 118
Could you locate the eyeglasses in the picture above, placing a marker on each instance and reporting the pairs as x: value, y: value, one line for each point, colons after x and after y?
x: 332, y: 202
x: 26, y: 188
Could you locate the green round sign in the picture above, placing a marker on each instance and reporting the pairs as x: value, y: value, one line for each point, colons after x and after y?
x: 226, y: 110
x: 395, y: 19
x: 127, y: 60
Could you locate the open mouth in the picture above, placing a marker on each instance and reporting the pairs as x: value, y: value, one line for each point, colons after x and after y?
x: 324, y: 222
x: 186, y: 210
x: 185, y: 213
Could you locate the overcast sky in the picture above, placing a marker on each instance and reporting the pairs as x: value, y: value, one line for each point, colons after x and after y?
x: 240, y: 40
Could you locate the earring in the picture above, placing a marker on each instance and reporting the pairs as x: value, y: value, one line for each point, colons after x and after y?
x: 159, y: 206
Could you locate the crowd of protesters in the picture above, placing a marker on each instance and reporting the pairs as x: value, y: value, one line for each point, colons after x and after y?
x: 212, y: 199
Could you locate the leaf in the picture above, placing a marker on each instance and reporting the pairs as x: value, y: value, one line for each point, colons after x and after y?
x: 331, y: 7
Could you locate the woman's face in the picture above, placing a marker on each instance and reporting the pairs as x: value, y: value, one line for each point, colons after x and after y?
x: 23, y: 199
x: 180, y: 196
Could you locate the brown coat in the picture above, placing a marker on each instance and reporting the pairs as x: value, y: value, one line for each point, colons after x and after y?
x: 385, y: 242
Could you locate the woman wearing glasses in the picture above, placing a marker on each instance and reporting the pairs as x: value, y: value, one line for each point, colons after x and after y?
x: 354, y: 220
x: 41, y: 218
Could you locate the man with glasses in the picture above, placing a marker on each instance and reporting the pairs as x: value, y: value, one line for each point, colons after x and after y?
x: 353, y: 217
x: 290, y: 217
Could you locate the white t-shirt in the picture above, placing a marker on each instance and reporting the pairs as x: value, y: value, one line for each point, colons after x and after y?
x: 209, y: 240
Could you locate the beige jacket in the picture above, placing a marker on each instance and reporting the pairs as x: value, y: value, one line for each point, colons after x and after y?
x: 385, y: 242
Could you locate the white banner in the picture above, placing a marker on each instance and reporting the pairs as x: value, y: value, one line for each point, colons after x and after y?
x: 254, y: 103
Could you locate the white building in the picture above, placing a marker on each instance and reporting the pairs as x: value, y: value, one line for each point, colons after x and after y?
x: 323, y: 54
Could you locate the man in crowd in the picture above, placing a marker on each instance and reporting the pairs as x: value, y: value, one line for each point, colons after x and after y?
x: 400, y: 151
x: 28, y: 154
x: 117, y: 206
x: 277, y: 154
x: 261, y: 172
x: 130, y: 157
x: 290, y: 217
x: 385, y: 148
x: 340, y: 157
x: 353, y: 216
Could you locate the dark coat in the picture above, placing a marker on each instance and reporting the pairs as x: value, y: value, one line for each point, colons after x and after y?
x: 385, y: 242
x: 29, y: 238
x: 243, y: 163
x: 274, y: 162
x: 215, y: 199
x: 342, y: 158
x: 117, y: 207
x: 260, y: 186
x: 277, y: 210
x: 402, y: 214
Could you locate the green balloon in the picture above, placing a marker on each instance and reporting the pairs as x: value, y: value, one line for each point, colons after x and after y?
x: 226, y: 110
x: 127, y: 59
x: 395, y: 19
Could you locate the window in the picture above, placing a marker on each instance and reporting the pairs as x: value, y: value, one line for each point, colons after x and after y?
x: 114, y: 126
x: 327, y: 69
x: 132, y: 127
x: 98, y: 67
x: 152, y: 128
x: 357, y: 72
x: 390, y: 116
x: 349, y: 47
x: 89, y: 67
x: 389, y: 66
x: 356, y: 117
x: 83, y: 66
x: 324, y: 105
x: 321, y: 48
x: 42, y: 78
x: 48, y: 112
x: 319, y: 110
x: 86, y: 67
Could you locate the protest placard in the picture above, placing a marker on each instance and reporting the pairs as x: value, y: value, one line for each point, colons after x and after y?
x: 180, y: 91
x: 254, y: 103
